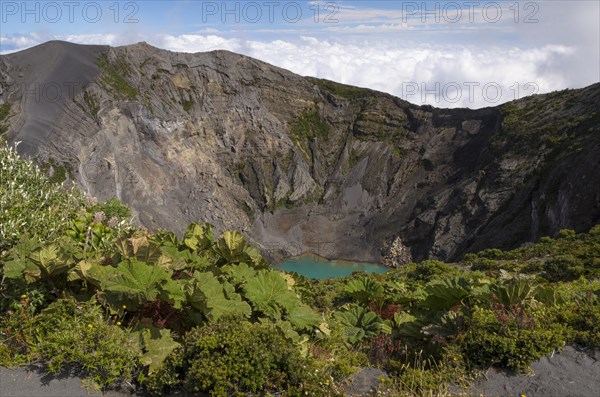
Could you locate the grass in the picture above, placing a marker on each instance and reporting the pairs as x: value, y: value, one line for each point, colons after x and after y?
x: 5, y: 110
x: 4, y: 114
x: 114, y: 79
x: 187, y: 105
x: 90, y: 100
x: 342, y: 90
x: 59, y: 172
x: 543, y: 122
x: 354, y: 158
x: 310, y: 125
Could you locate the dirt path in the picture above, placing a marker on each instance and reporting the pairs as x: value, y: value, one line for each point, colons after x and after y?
x: 21, y: 382
x: 568, y: 373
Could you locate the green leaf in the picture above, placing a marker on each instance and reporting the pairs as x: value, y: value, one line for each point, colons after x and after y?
x: 172, y: 292
x: 365, y: 290
x: 133, y: 283
x: 359, y: 323
x: 14, y: 268
x: 199, y: 236
x: 91, y: 271
x: 48, y: 260
x: 445, y: 294
x: 207, y: 295
x: 289, y: 333
x: 185, y: 259
x: 45, y: 256
x: 445, y: 325
x: 548, y: 295
x: 149, y: 254
x: 25, y: 247
x: 239, y: 274
x: 232, y: 248
x: 268, y: 292
x: 514, y: 291
x: 303, y: 317
x: 400, y: 293
x: 158, y: 344
x: 405, y: 325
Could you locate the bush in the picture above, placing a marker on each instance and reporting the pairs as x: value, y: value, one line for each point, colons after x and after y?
x: 428, y: 270
x: 510, y: 339
x: 485, y: 264
x: 492, y: 253
x: 533, y: 267
x: 112, y: 208
x: 235, y: 357
x: 583, y: 323
x: 79, y: 335
x: 30, y: 203
x: 563, y: 268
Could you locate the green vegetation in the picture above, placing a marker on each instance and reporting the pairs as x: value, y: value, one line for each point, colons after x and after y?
x: 30, y: 203
x: 282, y: 203
x: 5, y: 110
x: 58, y: 172
x: 114, y: 80
x: 235, y: 357
x: 355, y: 157
x: 187, y: 105
x: 307, y: 127
x: 310, y: 125
x: 342, y: 90
x: 91, y: 102
x: 84, y: 289
x: 4, y: 114
x: 545, y: 122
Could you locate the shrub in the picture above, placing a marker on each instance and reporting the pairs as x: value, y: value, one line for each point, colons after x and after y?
x: 235, y: 357
x: 583, y: 322
x: 567, y: 234
x: 485, y: 264
x: 16, y: 326
x: 492, y: 253
x: 533, y: 267
x: 112, y: 208
x: 30, y: 203
x: 510, y: 339
x: 563, y: 268
x: 78, y: 334
x: 428, y: 270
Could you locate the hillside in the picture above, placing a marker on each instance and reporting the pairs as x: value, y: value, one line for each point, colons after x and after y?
x: 300, y: 164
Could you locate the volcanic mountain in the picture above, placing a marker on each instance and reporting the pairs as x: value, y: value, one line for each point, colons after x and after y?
x: 301, y: 164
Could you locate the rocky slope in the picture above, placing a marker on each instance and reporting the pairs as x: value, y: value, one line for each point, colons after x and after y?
x: 301, y: 164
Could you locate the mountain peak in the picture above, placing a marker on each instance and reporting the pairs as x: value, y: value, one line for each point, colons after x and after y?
x: 303, y: 164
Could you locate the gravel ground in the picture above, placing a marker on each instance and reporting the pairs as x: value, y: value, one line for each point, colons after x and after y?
x: 23, y: 382
x: 568, y: 373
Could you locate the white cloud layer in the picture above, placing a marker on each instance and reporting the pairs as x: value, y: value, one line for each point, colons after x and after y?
x: 443, y: 76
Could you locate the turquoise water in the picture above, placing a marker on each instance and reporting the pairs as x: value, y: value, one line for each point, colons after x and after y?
x: 314, y: 267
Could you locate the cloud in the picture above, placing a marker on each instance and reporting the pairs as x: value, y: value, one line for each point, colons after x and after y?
x: 438, y: 75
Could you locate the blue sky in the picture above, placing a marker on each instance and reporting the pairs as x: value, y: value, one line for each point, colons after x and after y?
x: 444, y: 53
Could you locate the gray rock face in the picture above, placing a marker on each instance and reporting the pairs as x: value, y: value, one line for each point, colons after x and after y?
x: 300, y: 164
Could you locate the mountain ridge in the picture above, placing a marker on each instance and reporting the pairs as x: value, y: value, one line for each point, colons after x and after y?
x: 302, y: 164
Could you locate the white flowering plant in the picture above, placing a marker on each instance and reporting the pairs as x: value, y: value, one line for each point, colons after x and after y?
x: 29, y: 203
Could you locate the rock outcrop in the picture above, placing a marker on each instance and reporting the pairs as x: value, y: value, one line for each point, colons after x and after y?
x: 300, y: 164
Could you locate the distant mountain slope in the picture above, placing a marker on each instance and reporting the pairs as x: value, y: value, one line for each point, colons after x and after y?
x: 301, y: 164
